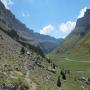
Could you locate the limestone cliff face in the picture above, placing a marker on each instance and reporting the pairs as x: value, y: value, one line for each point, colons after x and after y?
x: 84, y: 21
x: 83, y: 24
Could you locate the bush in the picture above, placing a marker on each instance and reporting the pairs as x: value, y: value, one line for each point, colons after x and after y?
x: 59, y: 82
x: 63, y: 74
x: 25, y: 85
x: 64, y: 77
x: 53, y: 65
x: 22, y: 83
x: 22, y: 50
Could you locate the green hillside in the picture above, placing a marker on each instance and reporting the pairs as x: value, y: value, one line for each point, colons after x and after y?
x: 20, y: 65
x: 74, y: 55
x: 77, y: 43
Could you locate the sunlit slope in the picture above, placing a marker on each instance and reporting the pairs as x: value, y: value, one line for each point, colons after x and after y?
x: 77, y: 43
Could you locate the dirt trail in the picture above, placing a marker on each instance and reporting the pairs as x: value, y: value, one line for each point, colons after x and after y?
x: 68, y: 59
x: 32, y: 85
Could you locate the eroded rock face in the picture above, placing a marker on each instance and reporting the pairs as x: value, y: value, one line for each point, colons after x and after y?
x: 87, y: 13
x: 83, y: 24
x: 84, y: 21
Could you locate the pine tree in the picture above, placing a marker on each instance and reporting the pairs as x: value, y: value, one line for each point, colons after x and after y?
x: 22, y: 50
x: 59, y: 82
x: 64, y: 77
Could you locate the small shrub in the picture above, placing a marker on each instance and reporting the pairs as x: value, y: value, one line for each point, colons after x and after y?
x: 64, y: 77
x: 25, y: 85
x: 63, y: 74
x: 59, y: 82
x: 22, y: 50
x: 53, y: 65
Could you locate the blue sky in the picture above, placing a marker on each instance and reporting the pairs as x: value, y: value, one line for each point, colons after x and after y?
x: 56, y: 18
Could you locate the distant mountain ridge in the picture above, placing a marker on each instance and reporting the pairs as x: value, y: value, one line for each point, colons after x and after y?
x: 8, y: 21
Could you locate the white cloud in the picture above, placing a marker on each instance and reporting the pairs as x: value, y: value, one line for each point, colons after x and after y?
x: 7, y: 3
x: 25, y: 14
x: 67, y: 27
x: 70, y: 25
x: 82, y: 12
x: 47, y: 29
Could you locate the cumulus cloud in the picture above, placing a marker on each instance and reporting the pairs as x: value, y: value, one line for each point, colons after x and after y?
x: 7, y: 3
x: 47, y: 29
x: 82, y: 12
x: 70, y: 25
x: 67, y: 27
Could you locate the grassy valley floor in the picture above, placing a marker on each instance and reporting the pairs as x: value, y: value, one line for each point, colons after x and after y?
x: 78, y: 69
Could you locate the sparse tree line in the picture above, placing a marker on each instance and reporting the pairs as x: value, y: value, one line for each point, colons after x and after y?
x: 31, y: 47
x: 62, y: 74
x: 15, y: 36
x: 12, y: 33
x: 62, y: 77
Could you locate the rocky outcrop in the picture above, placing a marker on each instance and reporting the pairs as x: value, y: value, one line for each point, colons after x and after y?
x: 84, y: 21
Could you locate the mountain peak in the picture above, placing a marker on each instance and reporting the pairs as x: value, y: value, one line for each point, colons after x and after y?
x: 87, y: 13
x: 84, y: 21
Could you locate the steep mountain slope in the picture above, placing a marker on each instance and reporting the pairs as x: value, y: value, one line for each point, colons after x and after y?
x: 24, y: 70
x: 10, y: 22
x: 22, y: 67
x: 10, y: 61
x: 77, y: 43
